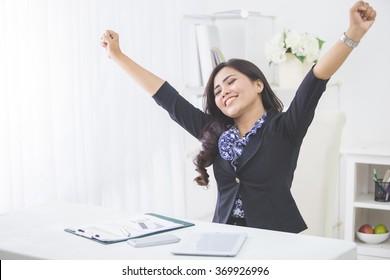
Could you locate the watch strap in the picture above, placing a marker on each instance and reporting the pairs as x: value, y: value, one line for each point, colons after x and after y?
x: 349, y: 42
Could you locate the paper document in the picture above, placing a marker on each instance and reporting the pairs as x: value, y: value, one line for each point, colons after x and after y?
x: 128, y: 228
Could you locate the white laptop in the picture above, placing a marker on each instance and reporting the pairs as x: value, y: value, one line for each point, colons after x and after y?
x: 226, y: 244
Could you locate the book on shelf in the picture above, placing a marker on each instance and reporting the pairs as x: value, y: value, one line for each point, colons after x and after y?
x: 209, y: 49
x: 217, y: 56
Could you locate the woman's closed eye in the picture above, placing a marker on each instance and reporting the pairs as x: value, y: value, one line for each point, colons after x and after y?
x: 218, y: 88
x: 230, y: 82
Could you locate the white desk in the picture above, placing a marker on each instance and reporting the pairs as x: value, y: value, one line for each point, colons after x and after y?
x: 38, y: 233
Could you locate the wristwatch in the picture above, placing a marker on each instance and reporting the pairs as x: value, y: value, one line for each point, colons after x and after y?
x: 349, y: 42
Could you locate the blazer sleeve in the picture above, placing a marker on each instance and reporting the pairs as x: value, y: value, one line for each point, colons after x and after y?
x: 301, y: 111
x: 181, y: 111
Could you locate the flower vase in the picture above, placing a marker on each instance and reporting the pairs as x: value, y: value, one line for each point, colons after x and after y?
x: 292, y: 72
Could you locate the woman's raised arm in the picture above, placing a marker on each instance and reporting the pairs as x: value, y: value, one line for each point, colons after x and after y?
x: 361, y: 18
x: 145, y: 79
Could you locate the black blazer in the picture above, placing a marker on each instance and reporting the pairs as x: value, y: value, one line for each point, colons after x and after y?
x: 266, y: 167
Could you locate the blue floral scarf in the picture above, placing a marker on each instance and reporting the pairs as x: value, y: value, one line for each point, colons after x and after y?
x: 230, y: 144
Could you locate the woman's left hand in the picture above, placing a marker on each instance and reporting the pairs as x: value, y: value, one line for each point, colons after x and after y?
x: 361, y: 18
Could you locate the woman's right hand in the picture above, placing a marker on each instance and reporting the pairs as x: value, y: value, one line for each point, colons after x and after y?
x: 110, y: 41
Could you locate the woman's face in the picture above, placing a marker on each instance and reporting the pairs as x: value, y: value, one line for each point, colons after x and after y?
x: 236, y: 94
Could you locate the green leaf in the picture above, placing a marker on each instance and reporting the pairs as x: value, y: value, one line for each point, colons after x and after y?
x: 284, y: 39
x: 320, y: 42
x: 300, y: 57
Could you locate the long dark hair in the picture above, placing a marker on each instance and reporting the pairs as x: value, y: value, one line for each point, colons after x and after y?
x: 211, y: 133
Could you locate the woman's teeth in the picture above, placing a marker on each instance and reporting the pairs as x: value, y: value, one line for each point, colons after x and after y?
x: 230, y: 100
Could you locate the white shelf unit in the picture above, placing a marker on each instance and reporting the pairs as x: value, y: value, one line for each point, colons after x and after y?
x: 360, y: 206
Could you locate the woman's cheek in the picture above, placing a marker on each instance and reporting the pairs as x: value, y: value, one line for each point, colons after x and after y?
x: 219, y: 104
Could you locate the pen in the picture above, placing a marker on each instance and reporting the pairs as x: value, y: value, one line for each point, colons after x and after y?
x: 386, y: 178
x: 375, y: 176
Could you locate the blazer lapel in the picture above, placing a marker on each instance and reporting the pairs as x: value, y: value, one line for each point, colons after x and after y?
x: 254, y: 144
x: 250, y: 149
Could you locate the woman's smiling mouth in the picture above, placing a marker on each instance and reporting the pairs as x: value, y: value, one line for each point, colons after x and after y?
x: 230, y: 100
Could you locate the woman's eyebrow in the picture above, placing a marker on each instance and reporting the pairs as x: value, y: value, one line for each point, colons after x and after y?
x: 223, y: 81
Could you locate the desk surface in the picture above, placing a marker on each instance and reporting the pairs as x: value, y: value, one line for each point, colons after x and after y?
x: 38, y: 233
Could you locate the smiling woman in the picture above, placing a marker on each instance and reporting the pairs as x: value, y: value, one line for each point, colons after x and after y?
x: 243, y: 118
x: 229, y: 83
x: 238, y: 84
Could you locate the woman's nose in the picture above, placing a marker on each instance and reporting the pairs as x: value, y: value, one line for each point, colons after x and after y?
x: 225, y: 91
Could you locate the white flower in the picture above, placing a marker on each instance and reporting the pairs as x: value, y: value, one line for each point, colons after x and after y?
x: 275, y: 50
x: 294, y: 41
x: 304, y: 46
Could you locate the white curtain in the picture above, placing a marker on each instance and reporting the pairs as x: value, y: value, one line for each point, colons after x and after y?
x: 73, y: 126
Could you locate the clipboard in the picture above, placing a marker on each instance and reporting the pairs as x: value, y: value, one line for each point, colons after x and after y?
x: 128, y: 228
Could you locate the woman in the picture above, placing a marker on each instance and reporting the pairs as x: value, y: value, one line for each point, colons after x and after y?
x: 252, y: 145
